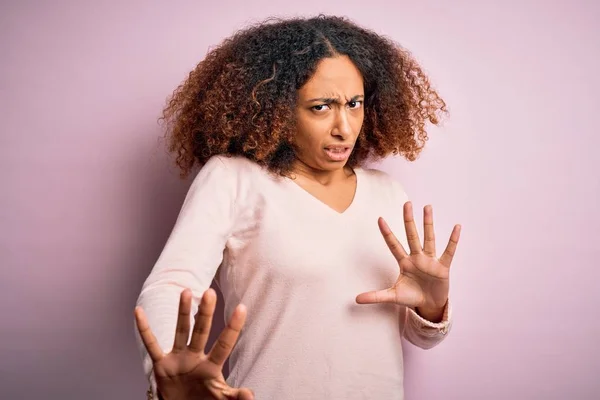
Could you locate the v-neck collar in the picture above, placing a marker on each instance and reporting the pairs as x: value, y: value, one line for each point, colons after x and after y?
x: 322, y: 204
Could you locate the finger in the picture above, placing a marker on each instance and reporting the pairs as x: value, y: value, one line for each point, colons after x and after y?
x: 377, y: 296
x: 203, y: 323
x: 246, y: 394
x: 390, y: 239
x: 239, y: 394
x: 412, y: 236
x: 227, y: 339
x: 182, y: 331
x: 448, y: 255
x: 148, y: 338
x: 429, y: 234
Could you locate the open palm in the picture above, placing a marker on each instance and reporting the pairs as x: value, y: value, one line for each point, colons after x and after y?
x: 187, y: 372
x: 423, y: 281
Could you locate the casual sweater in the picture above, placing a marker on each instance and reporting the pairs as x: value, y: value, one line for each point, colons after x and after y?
x: 297, y: 265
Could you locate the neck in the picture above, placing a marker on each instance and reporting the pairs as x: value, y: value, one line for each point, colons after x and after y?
x: 323, y: 177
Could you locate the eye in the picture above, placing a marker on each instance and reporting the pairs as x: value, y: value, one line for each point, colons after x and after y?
x: 355, y: 103
x: 320, y: 107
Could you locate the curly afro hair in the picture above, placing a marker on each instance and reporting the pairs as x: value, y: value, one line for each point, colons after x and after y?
x: 240, y: 100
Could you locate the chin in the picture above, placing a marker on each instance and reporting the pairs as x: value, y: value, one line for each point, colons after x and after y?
x: 332, y: 165
x: 323, y: 164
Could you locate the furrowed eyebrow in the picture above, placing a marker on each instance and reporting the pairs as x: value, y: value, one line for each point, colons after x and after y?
x: 330, y: 100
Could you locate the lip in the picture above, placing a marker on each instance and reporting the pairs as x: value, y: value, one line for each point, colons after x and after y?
x: 338, y: 153
x: 337, y: 147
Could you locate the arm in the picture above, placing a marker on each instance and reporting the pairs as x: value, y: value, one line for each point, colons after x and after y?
x: 191, y: 256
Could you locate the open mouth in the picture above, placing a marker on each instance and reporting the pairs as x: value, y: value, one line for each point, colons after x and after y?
x: 338, y: 153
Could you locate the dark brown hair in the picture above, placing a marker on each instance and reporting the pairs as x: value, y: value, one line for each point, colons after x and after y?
x: 240, y: 99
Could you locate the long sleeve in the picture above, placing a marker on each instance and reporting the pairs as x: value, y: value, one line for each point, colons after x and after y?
x: 192, y: 254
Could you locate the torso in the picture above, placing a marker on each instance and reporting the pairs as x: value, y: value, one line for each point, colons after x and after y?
x: 298, y: 256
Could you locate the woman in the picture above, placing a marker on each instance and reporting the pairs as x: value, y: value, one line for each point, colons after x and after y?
x: 281, y: 118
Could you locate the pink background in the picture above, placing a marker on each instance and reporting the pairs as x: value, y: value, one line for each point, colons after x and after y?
x: 88, y: 197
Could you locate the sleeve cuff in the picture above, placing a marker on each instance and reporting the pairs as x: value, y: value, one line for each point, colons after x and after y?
x: 152, y: 392
x: 424, y: 325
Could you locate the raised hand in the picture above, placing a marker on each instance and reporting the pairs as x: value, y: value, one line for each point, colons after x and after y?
x: 187, y: 372
x: 423, y: 282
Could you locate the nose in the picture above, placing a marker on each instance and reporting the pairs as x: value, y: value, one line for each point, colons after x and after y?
x: 342, y: 127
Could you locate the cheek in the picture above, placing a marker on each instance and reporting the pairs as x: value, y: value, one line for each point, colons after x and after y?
x: 311, y: 135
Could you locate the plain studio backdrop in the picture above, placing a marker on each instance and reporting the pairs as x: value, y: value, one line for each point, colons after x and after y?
x: 89, y: 196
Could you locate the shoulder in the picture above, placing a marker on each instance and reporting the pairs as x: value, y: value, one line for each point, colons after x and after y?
x: 235, y: 177
x: 229, y: 168
x: 382, y: 183
x: 234, y: 164
x: 223, y: 174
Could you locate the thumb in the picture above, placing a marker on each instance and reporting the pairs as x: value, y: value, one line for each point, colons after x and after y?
x: 377, y: 296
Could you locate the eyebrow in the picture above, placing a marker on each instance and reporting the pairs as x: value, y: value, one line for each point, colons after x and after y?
x: 329, y: 100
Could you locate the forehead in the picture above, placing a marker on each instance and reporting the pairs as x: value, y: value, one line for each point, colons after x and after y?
x: 335, y: 76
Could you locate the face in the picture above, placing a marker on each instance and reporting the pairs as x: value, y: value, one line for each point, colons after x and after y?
x: 329, y: 115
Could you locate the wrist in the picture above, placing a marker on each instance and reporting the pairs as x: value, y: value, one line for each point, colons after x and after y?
x: 432, y: 314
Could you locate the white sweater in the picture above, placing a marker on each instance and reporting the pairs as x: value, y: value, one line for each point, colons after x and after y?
x: 297, y: 265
